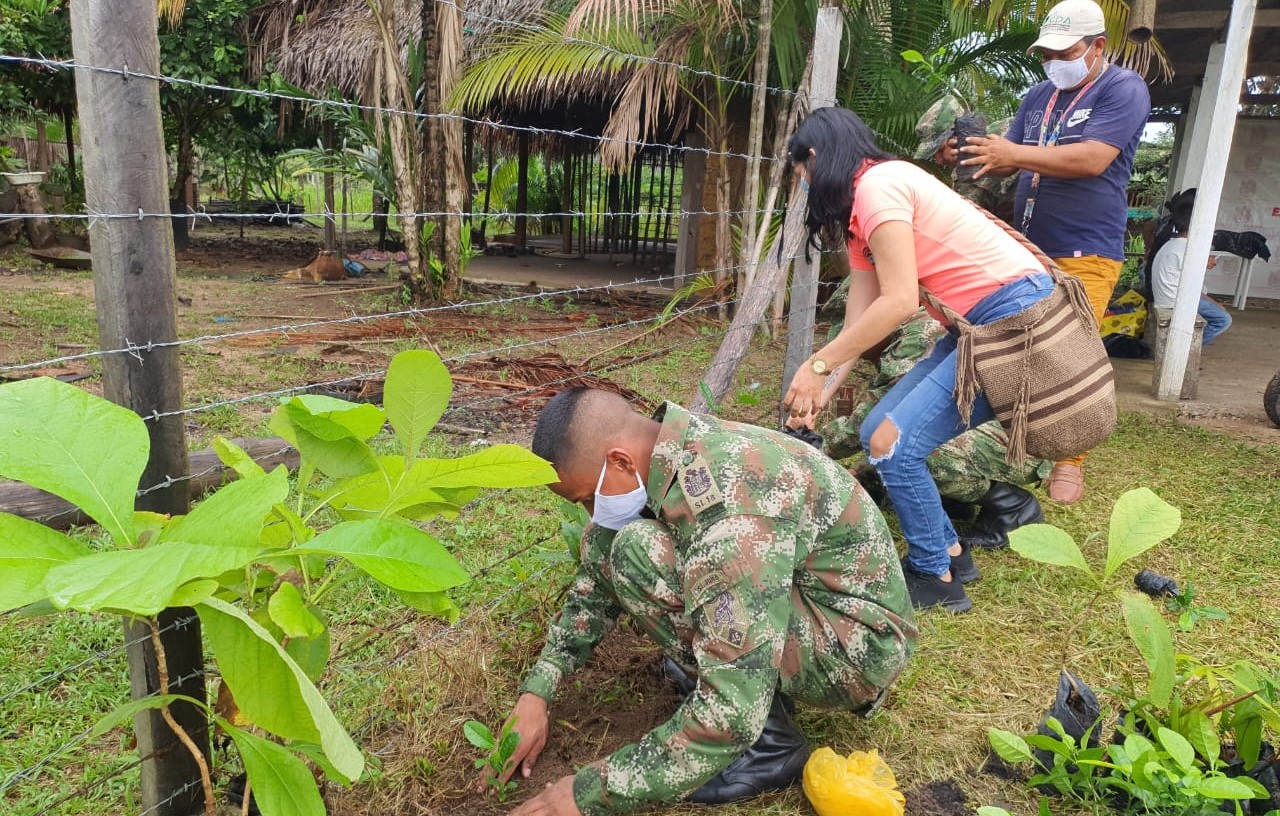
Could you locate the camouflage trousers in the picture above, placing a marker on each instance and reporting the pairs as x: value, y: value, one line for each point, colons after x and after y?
x: 815, y: 667
x: 963, y: 468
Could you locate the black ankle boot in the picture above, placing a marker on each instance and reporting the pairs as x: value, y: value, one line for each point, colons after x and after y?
x: 774, y: 762
x: 678, y: 677
x: 1005, y: 507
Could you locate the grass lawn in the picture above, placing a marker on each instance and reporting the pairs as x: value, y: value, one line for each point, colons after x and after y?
x: 405, y: 684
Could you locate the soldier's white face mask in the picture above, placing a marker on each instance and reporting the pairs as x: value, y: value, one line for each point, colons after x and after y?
x: 616, y: 512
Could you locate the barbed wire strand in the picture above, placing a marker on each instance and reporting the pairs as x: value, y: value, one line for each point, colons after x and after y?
x: 300, y: 215
x: 129, y: 73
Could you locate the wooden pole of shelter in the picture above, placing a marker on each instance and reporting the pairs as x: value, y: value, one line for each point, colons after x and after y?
x: 1142, y: 20
x: 330, y: 207
x: 134, y: 283
x: 804, y: 286
x: 522, y: 192
x: 566, y: 220
x: 1219, y: 131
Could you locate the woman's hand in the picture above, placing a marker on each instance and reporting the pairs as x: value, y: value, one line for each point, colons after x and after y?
x: 805, y: 398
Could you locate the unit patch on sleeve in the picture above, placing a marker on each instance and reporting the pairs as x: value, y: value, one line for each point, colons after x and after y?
x: 700, y: 488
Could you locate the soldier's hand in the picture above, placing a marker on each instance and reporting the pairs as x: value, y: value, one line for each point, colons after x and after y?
x: 531, y: 723
x: 556, y: 800
x: 946, y: 155
x: 991, y: 154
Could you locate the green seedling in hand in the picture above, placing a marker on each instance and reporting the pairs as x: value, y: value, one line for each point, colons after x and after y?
x: 1188, y: 613
x: 499, y: 751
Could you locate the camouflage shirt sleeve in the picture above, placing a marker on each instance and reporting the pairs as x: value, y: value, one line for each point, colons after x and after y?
x: 589, y: 613
x: 738, y: 588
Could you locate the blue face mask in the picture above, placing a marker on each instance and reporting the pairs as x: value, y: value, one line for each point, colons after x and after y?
x: 804, y: 184
x: 616, y: 512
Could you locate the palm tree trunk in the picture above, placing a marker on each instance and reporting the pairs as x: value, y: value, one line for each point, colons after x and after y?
x: 755, y: 137
x: 444, y: 181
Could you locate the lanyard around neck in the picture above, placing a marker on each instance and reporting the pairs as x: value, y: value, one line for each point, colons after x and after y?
x: 1050, y: 138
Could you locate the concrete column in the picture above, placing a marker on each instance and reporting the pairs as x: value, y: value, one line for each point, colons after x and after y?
x: 1217, y: 122
x: 1182, y: 145
x: 1197, y: 137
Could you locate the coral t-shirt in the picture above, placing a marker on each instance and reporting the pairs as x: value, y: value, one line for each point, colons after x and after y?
x: 961, y: 255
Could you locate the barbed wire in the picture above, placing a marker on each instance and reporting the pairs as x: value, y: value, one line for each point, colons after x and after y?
x: 28, y: 772
x: 195, y: 783
x: 92, y: 216
x: 128, y: 73
x: 97, y: 657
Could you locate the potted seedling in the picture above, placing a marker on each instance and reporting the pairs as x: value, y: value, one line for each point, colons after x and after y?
x: 970, y: 122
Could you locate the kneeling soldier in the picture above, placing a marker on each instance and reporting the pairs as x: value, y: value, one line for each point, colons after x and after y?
x: 760, y: 568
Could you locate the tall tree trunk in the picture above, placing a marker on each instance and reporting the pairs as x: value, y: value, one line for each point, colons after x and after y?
x: 68, y: 114
x: 177, y: 193
x: 406, y: 149
x: 755, y: 140
x: 445, y: 178
x: 522, y: 192
x: 330, y: 222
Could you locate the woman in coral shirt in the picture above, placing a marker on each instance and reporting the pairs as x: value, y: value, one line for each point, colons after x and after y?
x: 906, y: 230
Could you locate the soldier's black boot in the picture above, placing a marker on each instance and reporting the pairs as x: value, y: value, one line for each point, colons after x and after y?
x: 774, y: 762
x: 1005, y: 507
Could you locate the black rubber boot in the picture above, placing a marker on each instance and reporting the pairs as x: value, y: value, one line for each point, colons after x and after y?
x: 1005, y: 507
x: 774, y: 762
x: 678, y: 677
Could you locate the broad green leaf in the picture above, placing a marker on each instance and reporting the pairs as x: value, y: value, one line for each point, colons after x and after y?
x: 416, y: 394
x: 1151, y: 635
x: 1048, y: 545
x: 1177, y: 747
x: 72, y: 444
x: 27, y: 552
x: 497, y: 466
x: 1139, y: 521
x: 1248, y: 733
x: 360, y: 418
x: 289, y: 611
x: 280, y: 782
x: 138, y: 581
x: 234, y: 514
x: 147, y: 525
x: 315, y: 753
x: 392, y: 553
x: 1051, y: 744
x: 311, y: 654
x: 1199, y: 731
x: 271, y: 689
x: 1136, y: 746
x: 912, y: 55
x: 323, y: 443
x: 478, y: 734
x: 432, y: 603
x: 385, y: 491
x: 1009, y: 746
x: 193, y: 593
x: 1223, y: 787
x: 128, y: 710
x: 234, y: 457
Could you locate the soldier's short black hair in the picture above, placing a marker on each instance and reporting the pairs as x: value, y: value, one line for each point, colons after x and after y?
x: 553, y: 436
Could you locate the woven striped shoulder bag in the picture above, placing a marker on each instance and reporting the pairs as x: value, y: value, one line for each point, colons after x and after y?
x: 1044, y: 370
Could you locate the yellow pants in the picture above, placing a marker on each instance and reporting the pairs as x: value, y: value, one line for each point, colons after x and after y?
x: 1099, y: 276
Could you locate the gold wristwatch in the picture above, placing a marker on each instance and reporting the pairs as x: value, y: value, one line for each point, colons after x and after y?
x: 818, y: 366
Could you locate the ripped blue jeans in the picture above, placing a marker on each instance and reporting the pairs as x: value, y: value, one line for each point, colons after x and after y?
x: 922, y: 407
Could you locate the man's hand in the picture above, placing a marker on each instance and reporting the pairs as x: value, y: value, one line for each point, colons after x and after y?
x: 946, y: 153
x: 556, y: 800
x: 531, y: 723
x: 804, y: 397
x: 991, y: 154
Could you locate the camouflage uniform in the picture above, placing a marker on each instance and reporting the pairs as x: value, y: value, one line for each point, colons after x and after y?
x: 963, y: 468
x: 767, y: 566
x: 994, y: 193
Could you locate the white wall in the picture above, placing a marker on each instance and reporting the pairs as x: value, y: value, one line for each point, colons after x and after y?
x: 1251, y: 201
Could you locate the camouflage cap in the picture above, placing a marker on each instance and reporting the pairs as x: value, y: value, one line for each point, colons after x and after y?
x: 935, y: 126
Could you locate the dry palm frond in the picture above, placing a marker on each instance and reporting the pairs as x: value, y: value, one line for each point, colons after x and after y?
x: 171, y: 11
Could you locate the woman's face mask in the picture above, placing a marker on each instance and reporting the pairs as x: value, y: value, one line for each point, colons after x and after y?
x: 616, y: 512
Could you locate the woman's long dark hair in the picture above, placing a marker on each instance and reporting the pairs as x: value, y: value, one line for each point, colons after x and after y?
x: 841, y: 142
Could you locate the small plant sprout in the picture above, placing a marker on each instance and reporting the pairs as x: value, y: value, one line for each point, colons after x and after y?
x: 498, y: 752
x: 1189, y: 614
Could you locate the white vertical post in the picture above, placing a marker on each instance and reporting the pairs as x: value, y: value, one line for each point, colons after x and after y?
x: 804, y: 286
x: 1197, y: 138
x: 1224, y: 84
x: 1182, y: 144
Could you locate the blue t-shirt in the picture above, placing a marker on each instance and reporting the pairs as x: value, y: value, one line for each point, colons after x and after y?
x: 1085, y: 216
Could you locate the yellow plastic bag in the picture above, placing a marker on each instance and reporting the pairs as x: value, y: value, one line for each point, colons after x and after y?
x: 860, y: 784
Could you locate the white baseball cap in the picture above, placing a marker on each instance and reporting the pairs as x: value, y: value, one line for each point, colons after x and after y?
x: 1069, y: 22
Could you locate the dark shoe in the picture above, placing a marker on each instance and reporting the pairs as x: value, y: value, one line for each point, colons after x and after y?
x: 958, y: 510
x: 1005, y: 507
x: 927, y: 591
x: 774, y: 762
x: 962, y: 567
x: 678, y: 677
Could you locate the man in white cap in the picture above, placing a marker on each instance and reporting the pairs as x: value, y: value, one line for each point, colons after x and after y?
x: 1073, y: 139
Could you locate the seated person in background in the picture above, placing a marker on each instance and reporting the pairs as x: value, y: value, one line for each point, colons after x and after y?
x: 970, y: 469
x: 762, y: 570
x: 1166, y: 270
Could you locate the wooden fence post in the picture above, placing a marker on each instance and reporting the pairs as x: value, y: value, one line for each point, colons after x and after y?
x: 804, y: 275
x: 125, y: 170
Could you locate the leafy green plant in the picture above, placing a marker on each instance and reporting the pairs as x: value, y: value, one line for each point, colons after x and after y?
x: 1171, y: 757
x: 1189, y: 613
x: 252, y: 558
x: 498, y: 752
